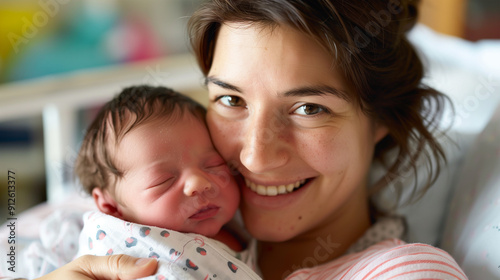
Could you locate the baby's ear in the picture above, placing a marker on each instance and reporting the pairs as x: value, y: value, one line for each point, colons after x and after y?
x: 106, y: 202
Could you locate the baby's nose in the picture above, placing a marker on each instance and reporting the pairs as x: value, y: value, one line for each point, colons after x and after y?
x: 196, y: 183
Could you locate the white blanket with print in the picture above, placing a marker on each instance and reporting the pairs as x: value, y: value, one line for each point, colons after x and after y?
x: 180, y: 255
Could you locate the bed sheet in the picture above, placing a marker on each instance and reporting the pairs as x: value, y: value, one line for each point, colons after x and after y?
x: 36, y: 230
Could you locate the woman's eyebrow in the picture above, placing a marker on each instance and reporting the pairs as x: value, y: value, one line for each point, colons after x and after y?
x: 318, y: 90
x: 215, y: 81
x: 302, y: 91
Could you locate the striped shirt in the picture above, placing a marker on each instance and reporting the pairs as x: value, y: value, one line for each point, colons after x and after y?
x: 390, y: 259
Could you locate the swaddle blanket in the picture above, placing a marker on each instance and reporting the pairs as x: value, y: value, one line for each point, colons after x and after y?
x: 57, y: 245
x: 180, y: 255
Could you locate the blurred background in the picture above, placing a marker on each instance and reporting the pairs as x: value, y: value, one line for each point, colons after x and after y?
x: 50, y: 47
x: 47, y: 37
x: 60, y: 59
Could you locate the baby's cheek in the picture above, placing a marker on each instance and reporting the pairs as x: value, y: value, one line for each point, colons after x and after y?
x: 182, y: 213
x: 228, y: 187
x: 224, y: 178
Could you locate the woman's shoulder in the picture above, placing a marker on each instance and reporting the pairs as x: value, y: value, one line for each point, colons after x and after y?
x: 401, y: 260
x: 389, y: 259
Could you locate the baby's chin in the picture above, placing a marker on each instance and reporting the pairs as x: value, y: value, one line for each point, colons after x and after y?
x: 205, y: 228
x: 208, y: 230
x: 205, y: 231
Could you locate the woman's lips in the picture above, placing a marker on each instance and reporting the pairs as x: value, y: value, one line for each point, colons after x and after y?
x: 274, y: 202
x: 276, y: 189
x: 205, y: 212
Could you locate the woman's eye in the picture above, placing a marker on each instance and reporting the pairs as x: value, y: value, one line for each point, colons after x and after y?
x: 231, y: 101
x: 310, y: 109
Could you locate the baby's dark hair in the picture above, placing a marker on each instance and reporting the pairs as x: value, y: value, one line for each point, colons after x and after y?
x: 95, y: 166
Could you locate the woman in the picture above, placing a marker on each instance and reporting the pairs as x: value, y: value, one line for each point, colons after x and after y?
x: 304, y: 96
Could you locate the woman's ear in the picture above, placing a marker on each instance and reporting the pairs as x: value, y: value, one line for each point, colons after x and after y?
x: 105, y: 202
x: 381, y: 131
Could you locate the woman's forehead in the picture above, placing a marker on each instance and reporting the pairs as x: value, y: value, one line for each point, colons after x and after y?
x: 278, y: 55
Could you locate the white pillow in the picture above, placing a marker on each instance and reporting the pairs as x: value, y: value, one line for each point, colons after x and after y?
x: 457, y: 68
x: 472, y: 232
x: 424, y: 218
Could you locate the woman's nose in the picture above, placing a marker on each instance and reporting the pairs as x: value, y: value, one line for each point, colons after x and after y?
x: 196, y: 183
x: 263, y: 146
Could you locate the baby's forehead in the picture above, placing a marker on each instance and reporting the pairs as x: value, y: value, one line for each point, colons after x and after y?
x: 160, y: 121
x: 149, y: 142
x: 122, y: 123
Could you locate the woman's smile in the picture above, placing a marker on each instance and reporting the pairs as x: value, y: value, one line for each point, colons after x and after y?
x: 253, y: 195
x: 273, y: 190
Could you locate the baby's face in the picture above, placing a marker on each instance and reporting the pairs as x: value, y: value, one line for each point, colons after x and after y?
x: 174, y: 178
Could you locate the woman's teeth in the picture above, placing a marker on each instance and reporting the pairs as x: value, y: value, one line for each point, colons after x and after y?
x: 273, y: 190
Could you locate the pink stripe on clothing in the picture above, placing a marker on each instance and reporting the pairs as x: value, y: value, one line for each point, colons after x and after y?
x: 420, y: 257
x: 409, y: 263
x: 420, y: 271
x: 389, y: 259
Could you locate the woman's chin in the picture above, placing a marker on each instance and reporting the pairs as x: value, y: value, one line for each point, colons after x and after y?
x: 267, y: 234
x: 268, y: 230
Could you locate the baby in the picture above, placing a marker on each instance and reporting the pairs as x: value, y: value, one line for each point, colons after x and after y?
x: 149, y: 163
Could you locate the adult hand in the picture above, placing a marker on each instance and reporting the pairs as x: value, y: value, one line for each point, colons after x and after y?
x: 107, y: 267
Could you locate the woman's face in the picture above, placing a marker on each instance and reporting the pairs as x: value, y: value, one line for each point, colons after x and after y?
x: 280, y: 113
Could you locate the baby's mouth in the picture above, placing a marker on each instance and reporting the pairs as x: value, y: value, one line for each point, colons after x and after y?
x: 277, y: 189
x: 205, y: 212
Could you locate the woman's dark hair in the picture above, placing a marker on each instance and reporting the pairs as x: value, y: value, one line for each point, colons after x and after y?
x: 95, y: 165
x: 367, y: 40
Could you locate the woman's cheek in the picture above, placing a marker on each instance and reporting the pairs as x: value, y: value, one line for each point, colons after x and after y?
x: 224, y: 135
x: 324, y: 151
